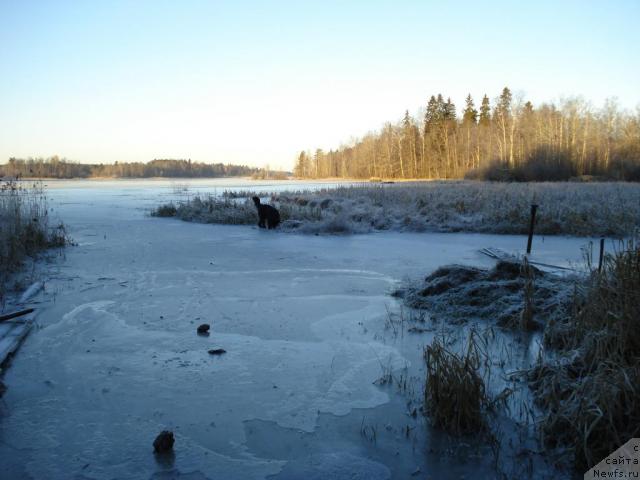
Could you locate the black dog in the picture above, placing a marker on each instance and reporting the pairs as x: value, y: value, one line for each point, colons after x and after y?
x: 269, y: 216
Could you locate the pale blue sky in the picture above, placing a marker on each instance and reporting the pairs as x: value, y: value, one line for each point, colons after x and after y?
x: 255, y: 82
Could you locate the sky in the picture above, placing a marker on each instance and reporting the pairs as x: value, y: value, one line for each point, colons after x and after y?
x: 256, y: 82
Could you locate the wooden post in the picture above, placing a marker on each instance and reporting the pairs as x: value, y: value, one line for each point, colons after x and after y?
x: 11, y: 315
x: 534, y: 208
x: 601, y: 255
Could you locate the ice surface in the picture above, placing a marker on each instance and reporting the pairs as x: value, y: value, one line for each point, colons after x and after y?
x: 116, y: 358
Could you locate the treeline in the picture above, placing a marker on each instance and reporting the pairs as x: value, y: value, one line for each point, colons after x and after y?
x: 55, y: 167
x: 507, y: 139
x: 268, y: 174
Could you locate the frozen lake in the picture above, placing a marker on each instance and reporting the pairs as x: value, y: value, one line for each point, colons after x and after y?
x: 116, y: 359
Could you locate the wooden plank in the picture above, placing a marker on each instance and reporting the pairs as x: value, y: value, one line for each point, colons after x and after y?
x: 19, y: 313
x: 498, y: 254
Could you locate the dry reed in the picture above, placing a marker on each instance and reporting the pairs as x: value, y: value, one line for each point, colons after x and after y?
x: 455, y: 395
x: 24, y: 226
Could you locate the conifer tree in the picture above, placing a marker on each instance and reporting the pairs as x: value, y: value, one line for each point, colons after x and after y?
x: 449, y: 110
x: 406, y: 120
x: 441, y: 109
x: 485, y: 112
x: 504, y: 103
x: 470, y: 114
x: 431, y: 115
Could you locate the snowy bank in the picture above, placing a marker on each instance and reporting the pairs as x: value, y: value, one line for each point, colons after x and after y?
x: 611, y: 209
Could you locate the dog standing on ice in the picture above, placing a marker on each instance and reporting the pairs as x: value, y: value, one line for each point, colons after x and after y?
x: 269, y: 216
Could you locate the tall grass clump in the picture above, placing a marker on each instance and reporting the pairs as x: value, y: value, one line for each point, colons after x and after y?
x: 24, y: 226
x: 166, y: 210
x: 591, y: 392
x: 236, y: 209
x: 455, y: 396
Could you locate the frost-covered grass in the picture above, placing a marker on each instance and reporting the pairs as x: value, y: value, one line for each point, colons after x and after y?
x: 515, y: 296
x: 232, y: 211
x: 611, y: 209
x: 591, y: 392
x: 24, y: 226
x: 584, y: 382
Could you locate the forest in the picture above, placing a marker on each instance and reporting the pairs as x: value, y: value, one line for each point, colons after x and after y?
x: 55, y: 167
x: 507, y: 139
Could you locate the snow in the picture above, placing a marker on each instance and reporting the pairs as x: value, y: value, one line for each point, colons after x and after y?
x: 116, y: 358
x: 31, y: 291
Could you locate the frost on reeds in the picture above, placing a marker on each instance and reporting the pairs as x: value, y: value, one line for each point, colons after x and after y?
x: 591, y: 392
x: 232, y: 210
x: 24, y: 226
x: 210, y: 210
x: 453, y: 206
x: 455, y: 396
